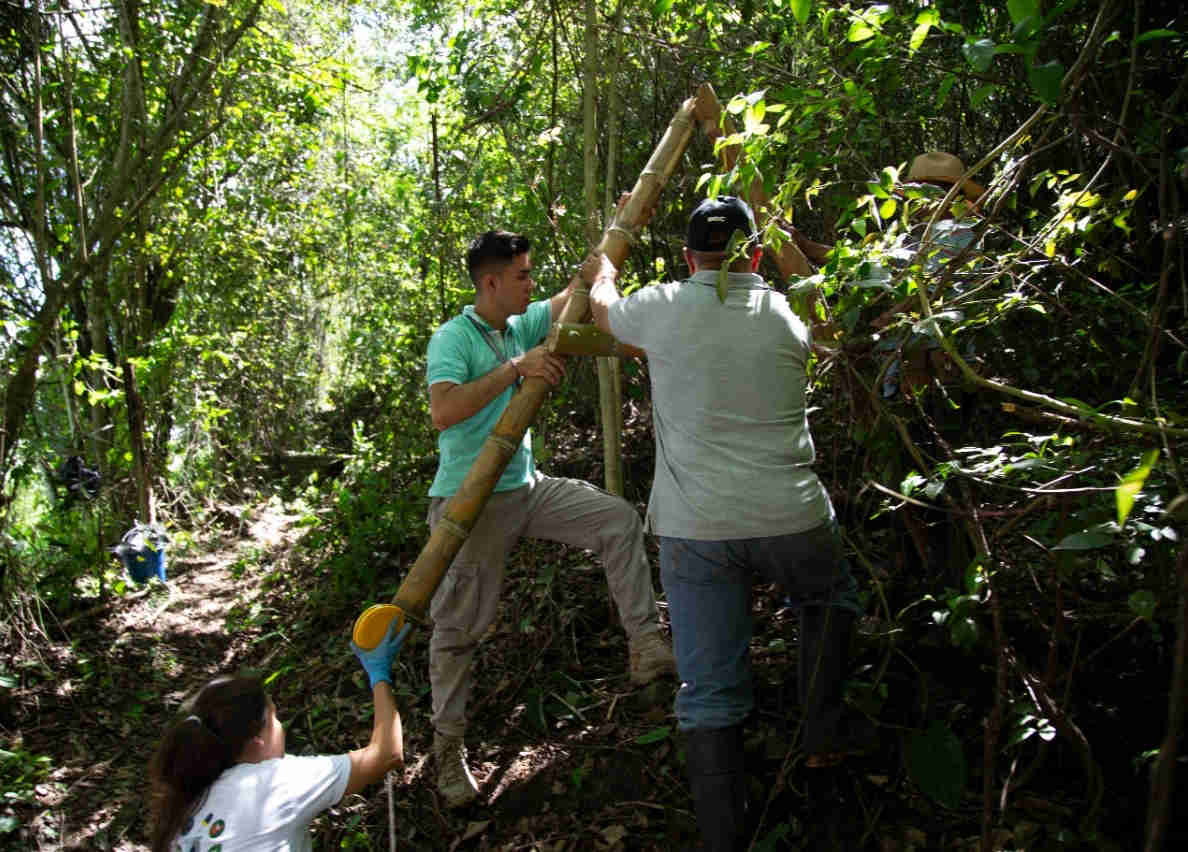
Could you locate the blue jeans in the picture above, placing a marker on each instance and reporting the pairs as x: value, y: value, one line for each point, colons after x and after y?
x: 708, y: 585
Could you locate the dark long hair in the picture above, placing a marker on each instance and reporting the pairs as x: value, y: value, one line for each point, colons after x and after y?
x: 196, y: 748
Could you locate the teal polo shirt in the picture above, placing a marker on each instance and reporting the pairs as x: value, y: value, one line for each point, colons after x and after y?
x: 460, y: 353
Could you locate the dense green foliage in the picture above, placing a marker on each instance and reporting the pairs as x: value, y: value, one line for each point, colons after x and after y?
x: 262, y: 210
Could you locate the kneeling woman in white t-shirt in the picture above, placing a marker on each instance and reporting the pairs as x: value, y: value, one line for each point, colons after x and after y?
x: 221, y: 779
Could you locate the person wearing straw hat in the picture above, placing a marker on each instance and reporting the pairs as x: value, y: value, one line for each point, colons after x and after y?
x: 930, y: 177
x: 475, y: 362
x: 735, y: 501
x: 935, y: 173
x: 942, y: 169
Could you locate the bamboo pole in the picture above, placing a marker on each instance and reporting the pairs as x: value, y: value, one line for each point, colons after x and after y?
x: 582, y: 339
x: 463, y: 509
x: 790, y: 260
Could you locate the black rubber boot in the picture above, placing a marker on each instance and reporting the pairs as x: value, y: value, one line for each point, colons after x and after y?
x: 714, y: 759
x: 823, y: 661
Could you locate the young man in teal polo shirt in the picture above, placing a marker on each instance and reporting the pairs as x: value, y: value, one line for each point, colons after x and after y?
x: 476, y: 360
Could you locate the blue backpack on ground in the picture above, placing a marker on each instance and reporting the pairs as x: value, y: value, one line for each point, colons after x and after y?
x: 142, y: 552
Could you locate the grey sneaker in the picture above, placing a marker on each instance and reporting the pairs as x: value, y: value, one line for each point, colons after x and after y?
x: 650, y: 657
x: 454, y: 781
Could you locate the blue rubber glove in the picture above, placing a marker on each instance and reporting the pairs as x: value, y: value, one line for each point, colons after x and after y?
x: 378, y: 661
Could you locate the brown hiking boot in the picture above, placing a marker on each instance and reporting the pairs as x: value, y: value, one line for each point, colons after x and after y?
x: 454, y: 781
x: 650, y: 657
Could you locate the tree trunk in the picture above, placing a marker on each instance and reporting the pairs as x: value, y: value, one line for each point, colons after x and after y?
x: 18, y: 395
x: 140, y: 466
x: 1163, y: 773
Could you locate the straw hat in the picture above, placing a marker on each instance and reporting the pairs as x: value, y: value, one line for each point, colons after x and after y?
x: 939, y: 167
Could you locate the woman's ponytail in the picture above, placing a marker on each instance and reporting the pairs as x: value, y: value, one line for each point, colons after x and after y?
x: 197, y: 748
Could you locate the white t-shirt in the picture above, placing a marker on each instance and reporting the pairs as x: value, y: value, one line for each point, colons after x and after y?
x: 733, y: 449
x: 267, y: 806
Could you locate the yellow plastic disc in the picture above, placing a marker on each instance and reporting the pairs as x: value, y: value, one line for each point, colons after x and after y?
x: 371, y: 627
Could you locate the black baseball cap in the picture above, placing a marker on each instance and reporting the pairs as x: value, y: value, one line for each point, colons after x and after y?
x: 715, y: 219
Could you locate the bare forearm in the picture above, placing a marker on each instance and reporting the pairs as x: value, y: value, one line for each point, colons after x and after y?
x: 387, y: 734
x: 558, y: 303
x: 814, y: 251
x: 450, y: 403
x: 602, y: 295
x: 386, y: 749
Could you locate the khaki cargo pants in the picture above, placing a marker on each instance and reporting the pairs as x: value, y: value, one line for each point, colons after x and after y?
x: 570, y: 511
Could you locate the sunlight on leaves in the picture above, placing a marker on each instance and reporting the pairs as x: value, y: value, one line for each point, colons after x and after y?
x: 1132, y: 484
x: 925, y: 21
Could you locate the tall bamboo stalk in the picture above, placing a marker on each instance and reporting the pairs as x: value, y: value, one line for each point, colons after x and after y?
x: 610, y: 401
x: 610, y: 370
x: 463, y: 509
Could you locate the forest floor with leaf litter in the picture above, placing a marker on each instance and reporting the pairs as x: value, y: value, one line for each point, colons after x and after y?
x: 568, y: 754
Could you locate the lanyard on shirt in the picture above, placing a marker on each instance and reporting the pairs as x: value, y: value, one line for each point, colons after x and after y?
x: 490, y: 341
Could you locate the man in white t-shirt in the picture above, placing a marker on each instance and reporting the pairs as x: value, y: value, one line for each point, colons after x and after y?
x: 735, y: 500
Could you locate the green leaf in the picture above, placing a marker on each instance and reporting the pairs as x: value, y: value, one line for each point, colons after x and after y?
x: 979, y: 95
x: 1093, y: 538
x: 979, y: 53
x: 887, y: 208
x: 918, y: 35
x: 9, y: 824
x: 732, y: 249
x: 936, y: 764
x: 1142, y: 603
x: 653, y: 736
x: 1021, y: 10
x: 945, y: 87
x: 1151, y: 35
x: 860, y: 31
x: 801, y: 9
x: 1046, y: 79
x: 910, y: 482
x: 1132, y: 484
x: 660, y: 8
